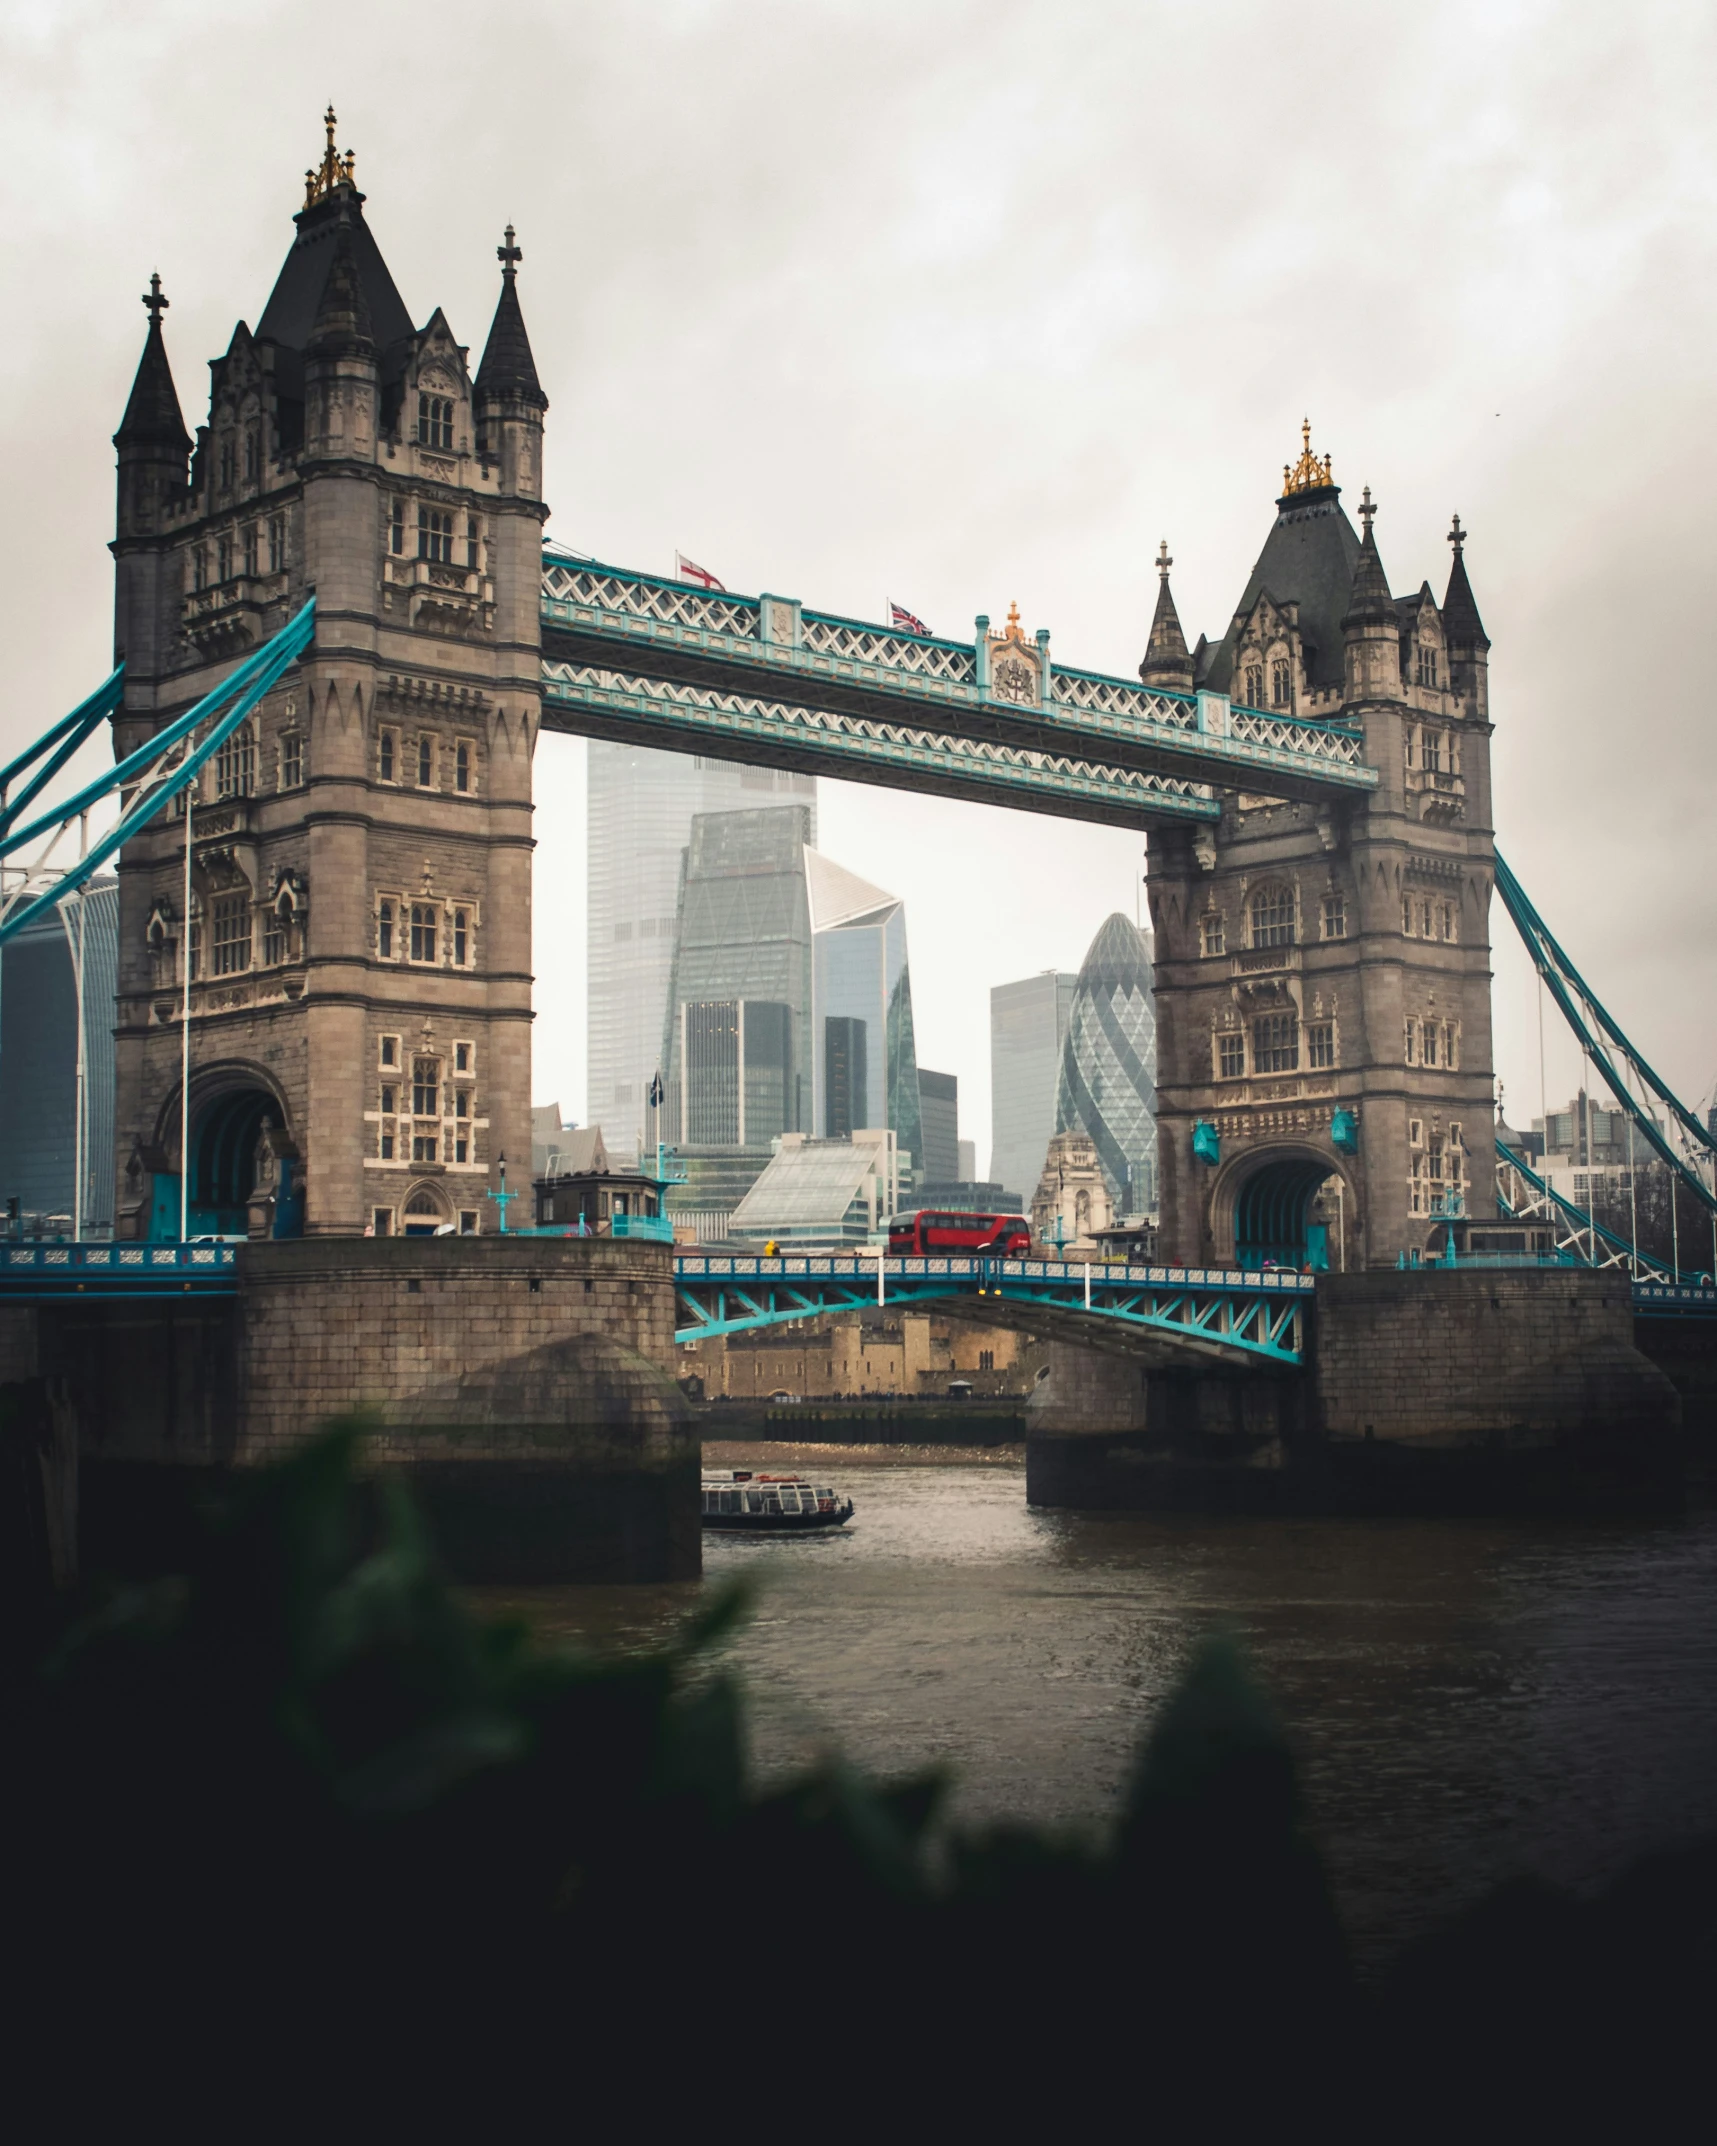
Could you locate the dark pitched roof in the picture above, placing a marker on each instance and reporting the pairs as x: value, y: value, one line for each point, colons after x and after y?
x: 152, y: 412
x: 1308, y: 559
x: 508, y: 367
x: 1461, y: 622
x: 1166, y: 652
x: 294, y: 306
x: 343, y: 321
x: 1369, y: 600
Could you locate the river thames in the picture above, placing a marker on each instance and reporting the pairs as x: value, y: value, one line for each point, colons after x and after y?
x: 1468, y: 1700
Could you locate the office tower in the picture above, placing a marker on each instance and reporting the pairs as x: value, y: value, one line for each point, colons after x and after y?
x: 1108, y: 1082
x: 939, y: 1108
x: 866, y: 1065
x: 967, y: 1153
x: 38, y: 1062
x: 737, y: 1034
x: 640, y: 811
x: 1028, y: 1025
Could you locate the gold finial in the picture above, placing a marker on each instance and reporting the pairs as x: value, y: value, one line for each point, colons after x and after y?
x: 334, y: 170
x: 1308, y: 473
x: 1013, y: 631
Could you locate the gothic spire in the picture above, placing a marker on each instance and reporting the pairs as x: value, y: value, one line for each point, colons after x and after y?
x: 152, y: 415
x: 508, y: 367
x: 1167, y: 662
x: 1461, y: 621
x: 1370, y: 604
x: 343, y: 325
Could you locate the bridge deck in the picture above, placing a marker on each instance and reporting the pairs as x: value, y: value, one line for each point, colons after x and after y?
x: 634, y: 657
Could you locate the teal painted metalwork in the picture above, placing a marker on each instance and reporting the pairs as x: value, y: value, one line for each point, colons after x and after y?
x: 147, y: 768
x: 1566, y: 984
x: 1578, y: 1224
x: 688, y: 719
x: 1257, y: 1315
x: 788, y: 667
x: 129, y: 1270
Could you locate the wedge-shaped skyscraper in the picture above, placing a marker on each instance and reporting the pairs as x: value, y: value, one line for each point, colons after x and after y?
x: 865, y: 1070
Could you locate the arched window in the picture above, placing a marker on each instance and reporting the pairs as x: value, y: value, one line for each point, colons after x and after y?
x: 423, y: 916
x: 231, y: 934
x: 1273, y: 916
x: 1281, y: 683
x: 235, y: 764
x: 435, y: 421
x: 1252, y: 685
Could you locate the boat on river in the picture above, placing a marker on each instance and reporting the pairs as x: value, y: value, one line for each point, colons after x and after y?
x: 747, y: 1503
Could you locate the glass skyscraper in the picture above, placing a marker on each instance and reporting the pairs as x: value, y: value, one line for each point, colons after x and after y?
x: 640, y: 812
x: 1028, y: 1026
x: 1108, y: 1085
x: 865, y: 1064
x: 737, y: 1037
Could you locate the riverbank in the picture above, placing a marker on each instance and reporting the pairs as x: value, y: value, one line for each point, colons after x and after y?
x: 791, y: 1456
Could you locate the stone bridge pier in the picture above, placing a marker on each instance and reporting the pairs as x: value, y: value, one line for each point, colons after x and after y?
x: 1479, y: 1390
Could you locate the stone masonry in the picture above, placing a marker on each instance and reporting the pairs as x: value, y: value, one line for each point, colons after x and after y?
x: 1323, y: 972
x: 359, y: 927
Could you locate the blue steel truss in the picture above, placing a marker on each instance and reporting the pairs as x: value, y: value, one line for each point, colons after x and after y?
x: 1601, y: 1038
x: 634, y: 656
x: 129, y: 1270
x: 144, y: 782
x: 1521, y: 1191
x: 1256, y: 1315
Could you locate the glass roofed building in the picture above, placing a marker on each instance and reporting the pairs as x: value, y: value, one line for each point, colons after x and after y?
x: 865, y: 1069
x: 1108, y: 1085
x: 822, y: 1194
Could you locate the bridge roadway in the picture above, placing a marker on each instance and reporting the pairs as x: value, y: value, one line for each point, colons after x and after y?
x: 643, y: 660
x: 1172, y: 1313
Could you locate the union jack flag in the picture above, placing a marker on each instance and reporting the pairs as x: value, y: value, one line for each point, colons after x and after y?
x: 689, y: 570
x: 904, y: 620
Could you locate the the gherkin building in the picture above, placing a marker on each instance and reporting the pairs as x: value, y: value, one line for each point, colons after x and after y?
x: 1108, y: 1085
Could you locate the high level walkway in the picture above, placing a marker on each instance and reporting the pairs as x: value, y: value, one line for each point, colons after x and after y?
x: 641, y: 659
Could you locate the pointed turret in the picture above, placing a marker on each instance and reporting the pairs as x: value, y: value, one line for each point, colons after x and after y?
x: 1167, y: 664
x: 1463, y: 630
x: 343, y: 326
x: 152, y: 414
x: 152, y: 440
x: 508, y: 368
x: 1370, y: 628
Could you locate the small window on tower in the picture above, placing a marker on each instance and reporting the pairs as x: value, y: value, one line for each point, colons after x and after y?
x: 435, y: 535
x: 435, y: 422
x: 1281, y: 684
x: 250, y: 454
x: 390, y: 1050
x: 1335, y: 916
x: 226, y: 465
x: 232, y: 934
x: 1276, y: 1043
x: 1410, y: 1040
x: 462, y: 766
x: 386, y: 751
x: 250, y: 544
x: 200, y: 567
x: 291, y: 759
x: 426, y: 1088
x: 426, y: 762
x: 1212, y: 937
x: 461, y: 937
x: 1429, y: 1035
x: 462, y: 1058
x: 235, y: 764
x: 1273, y: 916
x: 277, y: 544
x: 1231, y: 1056
x: 1320, y: 1044
x: 473, y: 543
x: 384, y: 947
x: 423, y: 915
x: 224, y: 557
x: 1252, y: 682
x: 396, y: 528
x: 423, y: 1147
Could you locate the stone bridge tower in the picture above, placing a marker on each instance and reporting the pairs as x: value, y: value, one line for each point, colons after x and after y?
x: 359, y: 924
x: 1322, y: 973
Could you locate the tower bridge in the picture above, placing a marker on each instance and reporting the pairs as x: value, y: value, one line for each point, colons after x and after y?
x: 337, y: 637
x: 330, y: 949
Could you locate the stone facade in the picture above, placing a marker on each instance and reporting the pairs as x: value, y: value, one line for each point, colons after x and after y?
x: 1071, y: 1203
x: 904, y: 1354
x: 359, y: 928
x: 1323, y: 971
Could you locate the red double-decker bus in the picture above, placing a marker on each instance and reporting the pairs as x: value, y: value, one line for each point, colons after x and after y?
x: 937, y: 1230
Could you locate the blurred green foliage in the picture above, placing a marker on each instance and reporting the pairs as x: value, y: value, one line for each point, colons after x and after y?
x: 305, y: 1773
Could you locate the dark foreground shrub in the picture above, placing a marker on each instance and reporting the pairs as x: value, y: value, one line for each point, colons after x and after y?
x: 300, y: 1818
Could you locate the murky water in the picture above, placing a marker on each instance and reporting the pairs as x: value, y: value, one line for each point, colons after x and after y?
x: 1468, y: 1699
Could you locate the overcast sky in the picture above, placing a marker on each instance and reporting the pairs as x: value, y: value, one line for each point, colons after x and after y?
x: 958, y: 304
